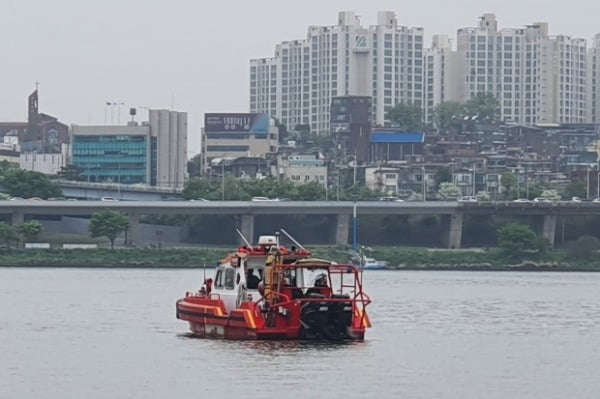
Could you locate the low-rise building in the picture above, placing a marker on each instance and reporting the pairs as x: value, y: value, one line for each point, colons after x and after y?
x: 393, y: 145
x: 303, y: 168
x: 230, y: 135
x: 153, y: 153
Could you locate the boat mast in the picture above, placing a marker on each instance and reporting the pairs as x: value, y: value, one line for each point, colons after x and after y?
x: 243, y: 238
x: 292, y: 239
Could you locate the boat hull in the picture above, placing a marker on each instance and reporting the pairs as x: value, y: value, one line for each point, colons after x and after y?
x: 207, y: 320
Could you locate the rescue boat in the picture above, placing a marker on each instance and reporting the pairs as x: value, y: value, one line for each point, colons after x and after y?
x: 272, y: 292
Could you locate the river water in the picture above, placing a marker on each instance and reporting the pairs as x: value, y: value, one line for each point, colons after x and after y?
x: 101, y: 333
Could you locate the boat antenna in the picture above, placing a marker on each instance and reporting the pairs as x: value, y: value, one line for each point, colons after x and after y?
x: 204, y: 271
x: 292, y: 238
x: 243, y: 238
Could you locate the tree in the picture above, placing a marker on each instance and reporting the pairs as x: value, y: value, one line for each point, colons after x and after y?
x: 552, y: 195
x: 8, y: 234
x: 515, y: 238
x: 445, y: 112
x: 109, y: 224
x: 406, y: 116
x: 199, y: 188
x: 194, y: 166
x: 484, y: 106
x: 414, y: 196
x: 575, y: 189
x: 508, y: 180
x: 27, y: 184
x: 29, y: 230
x: 585, y: 247
x: 312, y: 191
x: 483, y: 196
x: 443, y: 175
x: 448, y: 191
x: 70, y: 172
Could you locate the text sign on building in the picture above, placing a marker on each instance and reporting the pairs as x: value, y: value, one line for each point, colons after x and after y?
x: 236, y: 123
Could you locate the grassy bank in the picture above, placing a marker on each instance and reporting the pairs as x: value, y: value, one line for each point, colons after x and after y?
x: 107, y: 258
x: 398, y: 258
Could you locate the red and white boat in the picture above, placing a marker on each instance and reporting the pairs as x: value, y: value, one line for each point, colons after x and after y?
x: 271, y: 292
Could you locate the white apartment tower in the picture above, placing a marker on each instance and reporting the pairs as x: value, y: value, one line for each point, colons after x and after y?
x: 383, y: 61
x: 536, y: 77
x: 397, y: 65
x: 563, y: 80
x: 593, y: 82
x: 439, y: 75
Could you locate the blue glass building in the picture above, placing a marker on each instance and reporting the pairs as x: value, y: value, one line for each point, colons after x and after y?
x: 115, y: 154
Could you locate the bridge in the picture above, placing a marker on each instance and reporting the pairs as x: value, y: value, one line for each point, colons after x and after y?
x: 452, y: 213
x: 127, y: 192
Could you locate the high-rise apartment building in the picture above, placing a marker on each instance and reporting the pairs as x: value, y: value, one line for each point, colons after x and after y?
x: 439, y: 75
x: 593, y: 82
x: 536, y: 77
x: 296, y: 86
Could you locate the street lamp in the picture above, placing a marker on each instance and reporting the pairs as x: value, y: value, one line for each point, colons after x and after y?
x: 223, y: 179
x: 474, y: 177
x: 424, y: 181
x: 598, y: 185
x: 587, y: 184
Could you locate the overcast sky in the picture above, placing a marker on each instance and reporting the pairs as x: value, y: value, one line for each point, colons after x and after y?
x: 194, y: 53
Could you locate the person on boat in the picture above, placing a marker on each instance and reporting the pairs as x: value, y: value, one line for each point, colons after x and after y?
x: 207, y: 287
x: 320, y: 286
x: 251, y: 280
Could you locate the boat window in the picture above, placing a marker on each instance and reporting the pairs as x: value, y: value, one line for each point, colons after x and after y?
x: 219, y: 279
x: 229, y: 278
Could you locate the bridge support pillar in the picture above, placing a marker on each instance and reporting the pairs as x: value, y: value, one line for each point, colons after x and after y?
x: 17, y: 218
x: 342, y: 229
x: 246, y: 227
x: 549, y: 229
x: 455, y: 227
x: 132, y: 236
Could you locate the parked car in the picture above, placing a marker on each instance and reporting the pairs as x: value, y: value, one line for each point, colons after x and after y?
x: 108, y: 199
x: 199, y: 200
x: 467, y: 199
x: 541, y: 199
x: 259, y: 199
x: 576, y: 199
x: 522, y: 200
x: 596, y: 200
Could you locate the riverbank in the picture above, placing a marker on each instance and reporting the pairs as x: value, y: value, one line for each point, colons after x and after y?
x: 119, y: 258
x: 398, y: 258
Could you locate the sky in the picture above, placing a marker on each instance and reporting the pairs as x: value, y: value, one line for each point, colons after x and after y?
x: 193, y: 55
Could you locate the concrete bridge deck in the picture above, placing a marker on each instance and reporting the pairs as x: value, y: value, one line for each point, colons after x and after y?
x: 452, y: 212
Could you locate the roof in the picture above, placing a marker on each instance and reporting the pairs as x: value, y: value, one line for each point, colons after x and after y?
x: 396, y: 137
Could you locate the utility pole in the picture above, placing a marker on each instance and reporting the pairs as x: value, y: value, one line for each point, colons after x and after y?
x: 223, y: 179
x: 338, y: 184
x: 354, y: 228
x: 424, y: 179
x: 354, y: 179
x: 474, y: 178
x: 587, y: 186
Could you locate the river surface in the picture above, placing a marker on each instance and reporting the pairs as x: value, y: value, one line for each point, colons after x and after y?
x: 101, y: 333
